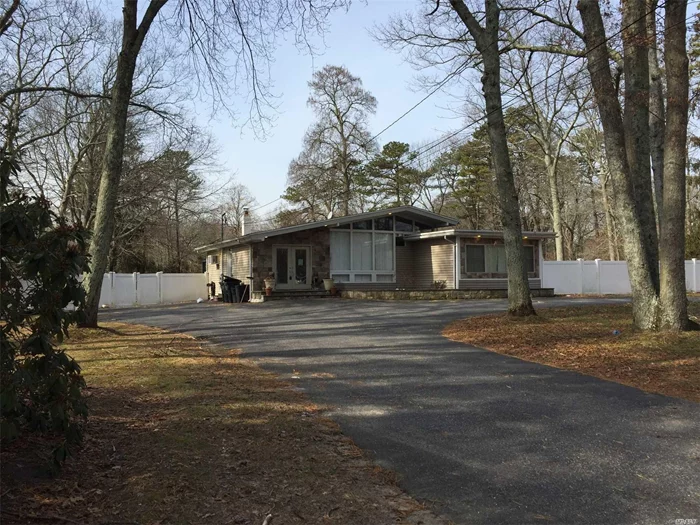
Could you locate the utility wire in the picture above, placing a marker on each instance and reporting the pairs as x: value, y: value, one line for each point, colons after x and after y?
x: 442, y: 83
x: 436, y: 143
x: 430, y: 146
x: 266, y: 205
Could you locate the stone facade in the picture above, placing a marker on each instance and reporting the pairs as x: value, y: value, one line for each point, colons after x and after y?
x: 319, y: 240
x: 436, y: 295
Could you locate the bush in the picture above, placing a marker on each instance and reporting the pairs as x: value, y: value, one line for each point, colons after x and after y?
x: 42, y: 259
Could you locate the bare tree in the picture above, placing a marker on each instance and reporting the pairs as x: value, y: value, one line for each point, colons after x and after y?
x: 643, y: 274
x: 339, y: 141
x: 212, y: 30
x: 6, y: 17
x: 486, y: 39
x: 237, y: 197
x: 674, y: 308
x: 550, y: 87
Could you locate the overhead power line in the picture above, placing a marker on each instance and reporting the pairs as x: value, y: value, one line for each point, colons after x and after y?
x: 473, y: 122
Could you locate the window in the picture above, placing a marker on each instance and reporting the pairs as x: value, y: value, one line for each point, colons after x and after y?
x: 365, y: 253
x: 384, y: 224
x: 404, y: 225
x: 361, y: 251
x: 495, y: 256
x: 340, y: 250
x: 383, y: 251
x: 529, y: 258
x: 362, y: 225
x: 489, y: 258
x: 475, y: 259
x: 214, y: 259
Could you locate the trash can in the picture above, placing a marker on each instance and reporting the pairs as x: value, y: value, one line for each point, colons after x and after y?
x: 228, y: 289
x: 224, y: 291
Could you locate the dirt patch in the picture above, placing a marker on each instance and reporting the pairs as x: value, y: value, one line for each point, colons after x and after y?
x: 181, y: 432
x: 594, y: 340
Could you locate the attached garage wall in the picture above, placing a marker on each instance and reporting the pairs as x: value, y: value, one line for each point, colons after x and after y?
x: 433, y: 260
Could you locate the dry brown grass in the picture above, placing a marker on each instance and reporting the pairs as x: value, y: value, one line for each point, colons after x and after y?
x: 582, y: 339
x: 184, y: 433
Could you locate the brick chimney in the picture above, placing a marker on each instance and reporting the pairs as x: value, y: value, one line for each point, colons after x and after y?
x: 247, y: 226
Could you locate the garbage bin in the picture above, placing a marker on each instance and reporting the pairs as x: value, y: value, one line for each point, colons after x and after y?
x: 228, y: 288
x: 224, y: 291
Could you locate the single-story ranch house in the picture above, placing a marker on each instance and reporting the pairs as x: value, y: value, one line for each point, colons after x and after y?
x: 396, y: 248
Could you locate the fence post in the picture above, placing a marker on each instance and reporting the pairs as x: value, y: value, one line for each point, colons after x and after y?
x: 159, y: 277
x: 135, y: 280
x: 696, y: 279
x: 580, y: 275
x: 597, y: 275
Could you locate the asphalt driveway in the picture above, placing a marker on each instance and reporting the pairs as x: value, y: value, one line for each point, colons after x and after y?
x: 484, y: 438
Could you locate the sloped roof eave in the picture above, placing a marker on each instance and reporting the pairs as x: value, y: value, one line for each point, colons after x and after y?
x: 262, y: 235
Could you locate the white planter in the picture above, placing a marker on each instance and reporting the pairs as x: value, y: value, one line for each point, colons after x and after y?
x: 328, y: 284
x: 270, y: 283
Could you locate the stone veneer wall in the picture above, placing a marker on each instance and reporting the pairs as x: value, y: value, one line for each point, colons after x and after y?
x: 436, y: 295
x: 318, y: 239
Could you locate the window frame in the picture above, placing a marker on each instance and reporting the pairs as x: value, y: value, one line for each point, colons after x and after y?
x: 463, y: 255
x: 532, y: 259
x: 377, y: 276
x: 466, y: 257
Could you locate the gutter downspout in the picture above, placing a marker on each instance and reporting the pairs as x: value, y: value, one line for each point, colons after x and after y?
x: 454, y: 260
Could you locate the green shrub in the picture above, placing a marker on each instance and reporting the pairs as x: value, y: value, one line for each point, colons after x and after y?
x: 42, y: 259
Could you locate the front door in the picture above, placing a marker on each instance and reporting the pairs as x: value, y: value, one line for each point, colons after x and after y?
x: 293, y: 267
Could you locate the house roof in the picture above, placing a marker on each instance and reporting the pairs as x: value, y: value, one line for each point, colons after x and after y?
x: 410, y: 212
x: 486, y: 234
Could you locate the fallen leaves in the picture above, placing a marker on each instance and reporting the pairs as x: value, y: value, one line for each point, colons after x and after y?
x: 181, y: 432
x: 595, y: 340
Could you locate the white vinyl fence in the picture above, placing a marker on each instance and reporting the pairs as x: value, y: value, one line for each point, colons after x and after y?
x: 601, y: 277
x: 131, y: 289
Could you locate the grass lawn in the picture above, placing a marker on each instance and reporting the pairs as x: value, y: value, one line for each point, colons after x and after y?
x: 185, y: 433
x: 582, y: 339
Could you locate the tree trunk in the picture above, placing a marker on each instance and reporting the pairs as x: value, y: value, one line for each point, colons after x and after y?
x: 636, y: 123
x: 609, y: 225
x: 551, y: 168
x: 178, y: 253
x: 657, y: 116
x: 674, y: 313
x: 642, y: 275
x: 112, y: 161
x: 519, y: 301
x: 596, y: 221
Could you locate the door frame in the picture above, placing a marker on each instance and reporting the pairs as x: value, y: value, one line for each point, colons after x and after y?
x: 309, y: 271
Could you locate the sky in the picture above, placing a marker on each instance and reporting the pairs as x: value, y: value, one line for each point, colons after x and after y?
x: 262, y: 165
